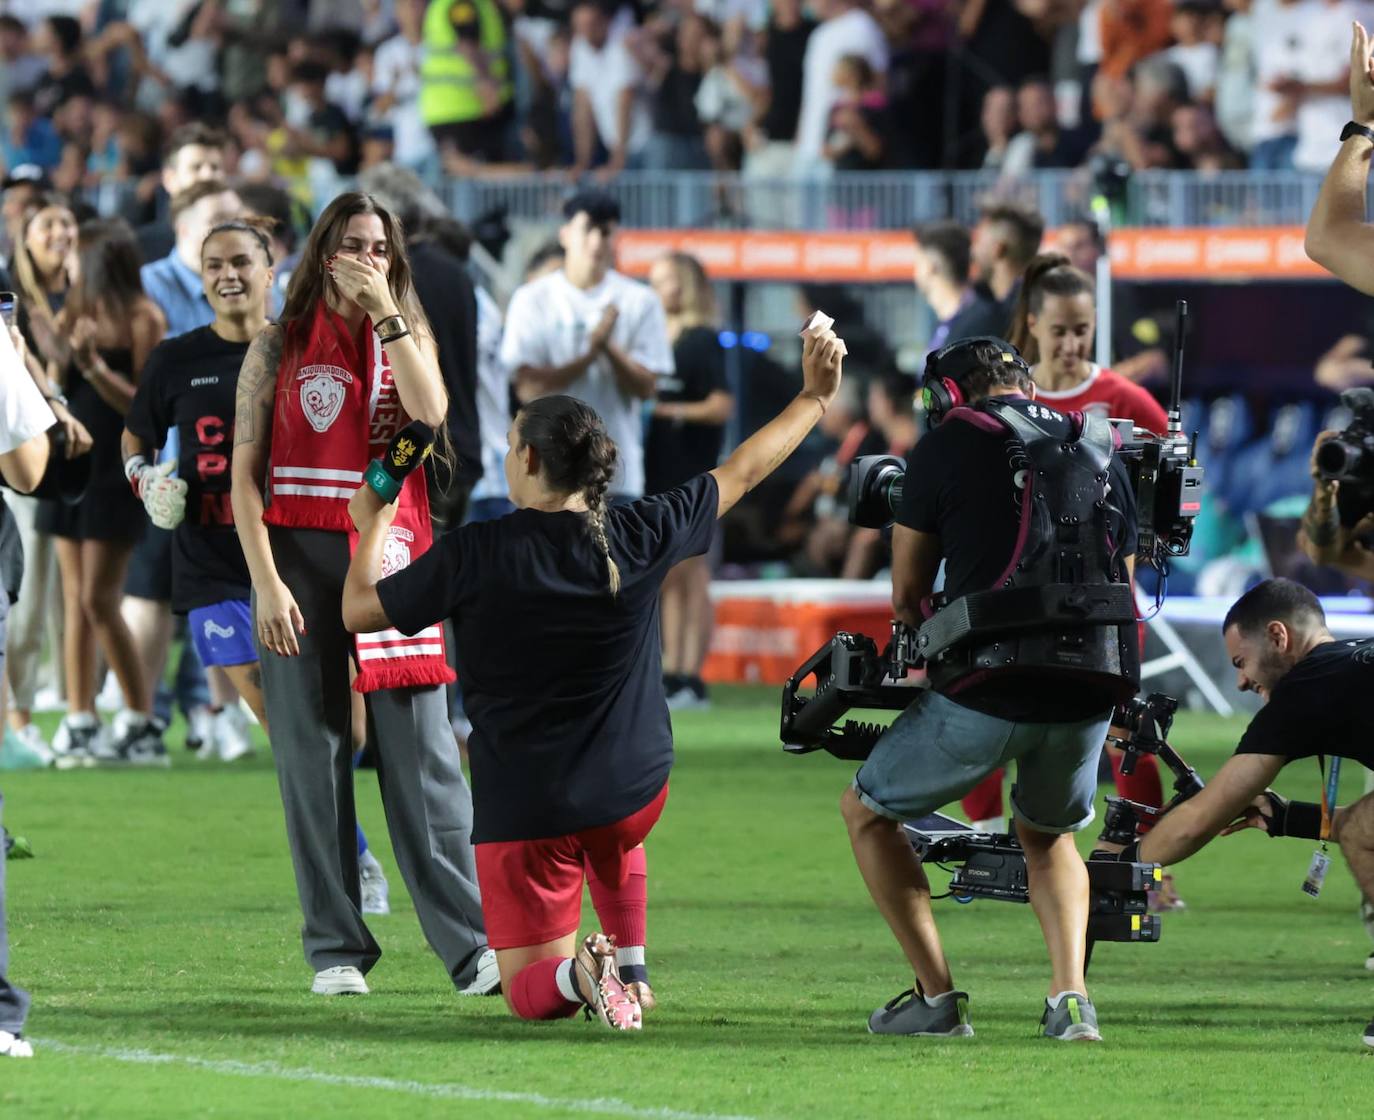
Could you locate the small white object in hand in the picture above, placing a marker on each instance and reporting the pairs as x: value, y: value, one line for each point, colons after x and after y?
x: 818, y: 324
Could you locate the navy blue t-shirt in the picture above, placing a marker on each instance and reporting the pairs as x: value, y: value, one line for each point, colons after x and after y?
x: 562, y: 681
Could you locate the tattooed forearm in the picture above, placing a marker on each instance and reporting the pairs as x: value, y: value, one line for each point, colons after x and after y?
x: 256, y: 387
x: 1321, y: 522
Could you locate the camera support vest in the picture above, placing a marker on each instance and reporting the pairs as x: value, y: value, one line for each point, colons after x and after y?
x: 1058, y: 607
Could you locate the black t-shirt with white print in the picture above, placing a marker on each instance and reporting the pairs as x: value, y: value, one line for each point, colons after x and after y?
x: 188, y: 383
x: 562, y: 681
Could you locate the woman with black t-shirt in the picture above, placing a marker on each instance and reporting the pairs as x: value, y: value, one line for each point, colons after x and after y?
x: 555, y: 608
x: 686, y: 434
x: 188, y: 385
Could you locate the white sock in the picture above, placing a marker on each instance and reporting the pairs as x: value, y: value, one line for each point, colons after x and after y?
x: 630, y: 955
x: 566, y: 988
x: 81, y: 719
x: 369, y: 861
x: 936, y: 1001
x: 1058, y: 997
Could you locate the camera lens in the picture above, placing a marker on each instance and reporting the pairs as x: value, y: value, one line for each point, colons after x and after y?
x: 1337, y: 459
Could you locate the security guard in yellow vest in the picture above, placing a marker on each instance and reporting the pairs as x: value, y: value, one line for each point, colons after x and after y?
x: 465, y: 86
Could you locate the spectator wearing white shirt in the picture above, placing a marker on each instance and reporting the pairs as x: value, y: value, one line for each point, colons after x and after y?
x: 1278, y: 60
x: 24, y: 420
x: 608, y: 108
x: 845, y: 29
x: 1323, y: 80
x: 396, y: 86
x: 1192, y: 51
x: 592, y: 333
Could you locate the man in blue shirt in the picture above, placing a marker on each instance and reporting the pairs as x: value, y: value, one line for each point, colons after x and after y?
x: 173, y: 282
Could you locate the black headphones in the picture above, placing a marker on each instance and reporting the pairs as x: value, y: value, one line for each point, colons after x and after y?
x: 946, y: 367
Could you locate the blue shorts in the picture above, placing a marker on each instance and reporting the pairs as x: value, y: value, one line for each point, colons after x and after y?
x: 223, y: 633
x: 937, y: 750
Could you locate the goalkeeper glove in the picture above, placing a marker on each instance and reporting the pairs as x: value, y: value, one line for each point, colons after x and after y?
x: 162, y: 496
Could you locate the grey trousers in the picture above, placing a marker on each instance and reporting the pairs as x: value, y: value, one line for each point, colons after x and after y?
x: 427, y: 802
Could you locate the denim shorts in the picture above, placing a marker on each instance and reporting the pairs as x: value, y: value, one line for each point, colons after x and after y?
x: 937, y: 750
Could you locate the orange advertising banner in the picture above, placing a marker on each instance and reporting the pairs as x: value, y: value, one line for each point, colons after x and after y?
x: 885, y: 256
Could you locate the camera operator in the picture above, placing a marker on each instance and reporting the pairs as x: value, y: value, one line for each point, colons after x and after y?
x: 972, y: 508
x: 1315, y: 690
x: 24, y: 420
x: 1338, y: 523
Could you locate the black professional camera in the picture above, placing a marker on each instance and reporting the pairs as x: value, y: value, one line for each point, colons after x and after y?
x: 1163, y: 469
x: 1348, y: 458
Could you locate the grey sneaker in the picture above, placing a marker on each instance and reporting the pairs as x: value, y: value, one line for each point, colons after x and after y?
x: 1369, y: 1035
x: 1074, y: 1020
x: 909, y: 1013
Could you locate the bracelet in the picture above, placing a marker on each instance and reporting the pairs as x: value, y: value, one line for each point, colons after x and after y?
x: 389, y: 327
x: 393, y: 337
x: 56, y: 398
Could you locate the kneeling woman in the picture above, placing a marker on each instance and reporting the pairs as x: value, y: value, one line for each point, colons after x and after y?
x: 556, y: 612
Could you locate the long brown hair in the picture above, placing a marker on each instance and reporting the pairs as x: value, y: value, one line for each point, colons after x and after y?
x: 1048, y: 274
x: 31, y: 284
x: 109, y: 282
x: 307, y: 287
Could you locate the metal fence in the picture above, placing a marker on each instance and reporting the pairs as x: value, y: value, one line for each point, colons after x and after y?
x: 882, y: 200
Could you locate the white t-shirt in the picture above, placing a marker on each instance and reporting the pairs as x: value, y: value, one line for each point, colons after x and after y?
x: 1278, y: 54
x: 1325, y: 58
x: 854, y: 32
x: 547, y: 324
x: 1199, y: 65
x: 396, y: 70
x: 23, y: 411
x: 493, y: 400
x: 602, y: 75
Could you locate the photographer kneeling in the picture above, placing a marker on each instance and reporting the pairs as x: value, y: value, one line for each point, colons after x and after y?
x: 1003, y: 478
x: 1316, y: 702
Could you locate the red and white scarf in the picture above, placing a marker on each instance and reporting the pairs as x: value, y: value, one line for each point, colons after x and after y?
x: 337, y: 408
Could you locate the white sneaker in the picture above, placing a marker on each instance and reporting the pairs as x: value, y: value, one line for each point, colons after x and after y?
x: 111, y: 698
x: 12, y: 1046
x: 230, y: 734
x: 372, y: 885
x: 992, y: 824
x: 49, y: 699
x: 487, y: 982
x: 200, y: 731
x: 32, y: 736
x: 77, y: 741
x: 341, y: 980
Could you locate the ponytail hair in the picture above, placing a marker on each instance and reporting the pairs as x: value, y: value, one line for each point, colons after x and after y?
x: 1048, y: 274
x: 576, y: 456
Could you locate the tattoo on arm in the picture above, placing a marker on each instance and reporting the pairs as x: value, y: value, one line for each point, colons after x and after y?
x: 257, y: 387
x: 1321, y: 522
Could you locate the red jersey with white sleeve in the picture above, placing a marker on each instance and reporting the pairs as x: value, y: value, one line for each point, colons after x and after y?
x: 1108, y: 394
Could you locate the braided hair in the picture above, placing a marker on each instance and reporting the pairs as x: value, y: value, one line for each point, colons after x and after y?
x: 577, y: 456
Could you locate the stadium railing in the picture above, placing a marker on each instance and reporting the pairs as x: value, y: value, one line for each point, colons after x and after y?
x: 879, y: 200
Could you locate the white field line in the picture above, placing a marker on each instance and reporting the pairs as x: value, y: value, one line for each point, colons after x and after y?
x: 435, y: 1090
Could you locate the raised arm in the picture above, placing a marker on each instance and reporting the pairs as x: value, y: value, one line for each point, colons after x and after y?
x: 762, y: 453
x: 278, y: 618
x: 1338, y: 236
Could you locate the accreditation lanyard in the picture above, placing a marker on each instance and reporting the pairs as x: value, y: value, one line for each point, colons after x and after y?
x: 1321, y: 862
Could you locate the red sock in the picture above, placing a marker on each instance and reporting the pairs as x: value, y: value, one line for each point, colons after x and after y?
x: 1143, y: 785
x: 622, y: 910
x: 984, y: 801
x: 534, y: 992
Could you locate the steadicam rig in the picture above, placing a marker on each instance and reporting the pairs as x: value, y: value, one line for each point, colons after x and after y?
x: 850, y: 673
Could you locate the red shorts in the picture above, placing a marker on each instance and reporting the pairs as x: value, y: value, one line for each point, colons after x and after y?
x: 532, y: 889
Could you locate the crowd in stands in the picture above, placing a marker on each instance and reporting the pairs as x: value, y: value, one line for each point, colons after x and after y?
x: 312, y: 91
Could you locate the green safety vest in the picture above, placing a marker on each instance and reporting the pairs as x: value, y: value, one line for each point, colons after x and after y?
x: 448, y: 81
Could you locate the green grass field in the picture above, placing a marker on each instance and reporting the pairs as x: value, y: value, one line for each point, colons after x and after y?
x: 158, y: 933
